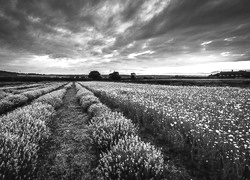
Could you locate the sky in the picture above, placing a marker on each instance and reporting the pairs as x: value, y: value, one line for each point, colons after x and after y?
x: 140, y: 36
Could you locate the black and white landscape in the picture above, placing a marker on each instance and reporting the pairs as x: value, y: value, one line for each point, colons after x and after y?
x: 125, y: 89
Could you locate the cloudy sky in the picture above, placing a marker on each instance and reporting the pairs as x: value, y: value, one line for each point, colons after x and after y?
x: 141, y: 36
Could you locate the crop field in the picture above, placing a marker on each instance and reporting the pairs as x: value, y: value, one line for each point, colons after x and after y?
x: 210, y: 124
x: 109, y: 130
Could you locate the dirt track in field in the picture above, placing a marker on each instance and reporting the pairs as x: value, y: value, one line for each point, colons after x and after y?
x: 68, y: 154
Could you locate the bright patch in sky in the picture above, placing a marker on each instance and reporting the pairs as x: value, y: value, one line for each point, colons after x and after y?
x: 133, y: 55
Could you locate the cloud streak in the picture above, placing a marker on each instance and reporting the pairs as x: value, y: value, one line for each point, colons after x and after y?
x: 82, y: 35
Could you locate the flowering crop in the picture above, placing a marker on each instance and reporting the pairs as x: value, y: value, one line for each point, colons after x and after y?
x: 131, y: 158
x: 33, y: 94
x: 123, y: 154
x: 3, y: 94
x: 97, y: 109
x: 29, y: 88
x: 16, y: 87
x: 86, y: 98
x: 22, y: 133
x: 54, y: 98
x: 86, y: 101
x: 67, y: 86
x: 12, y: 101
x: 108, y: 127
x: 211, y: 122
x: 81, y: 91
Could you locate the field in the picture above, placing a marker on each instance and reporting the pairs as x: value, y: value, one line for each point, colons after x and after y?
x: 202, y: 81
x: 107, y: 130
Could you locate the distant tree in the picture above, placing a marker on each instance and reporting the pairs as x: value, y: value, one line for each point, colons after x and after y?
x: 95, y: 75
x: 115, y: 76
x: 133, y: 76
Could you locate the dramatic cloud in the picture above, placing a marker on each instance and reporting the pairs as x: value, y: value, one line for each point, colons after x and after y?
x: 142, y: 36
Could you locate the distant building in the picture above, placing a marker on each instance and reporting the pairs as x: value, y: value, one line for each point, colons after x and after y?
x: 232, y: 74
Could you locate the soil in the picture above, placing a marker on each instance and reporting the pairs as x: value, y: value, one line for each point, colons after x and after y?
x: 68, y: 154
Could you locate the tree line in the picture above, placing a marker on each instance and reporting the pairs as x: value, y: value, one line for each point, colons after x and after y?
x: 115, y: 76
